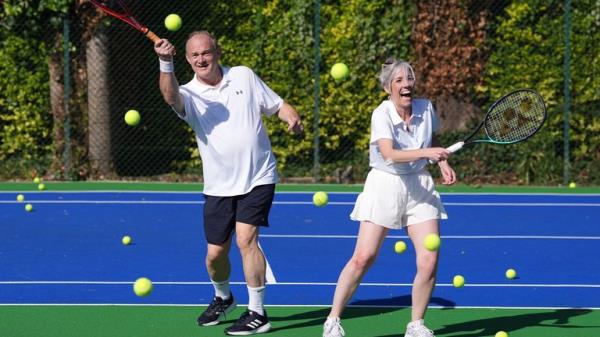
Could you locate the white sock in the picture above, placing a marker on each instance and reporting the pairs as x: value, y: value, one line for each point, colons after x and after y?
x: 416, y: 323
x: 222, y: 289
x: 256, y: 298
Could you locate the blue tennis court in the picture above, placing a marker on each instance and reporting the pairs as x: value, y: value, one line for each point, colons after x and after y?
x: 68, y: 250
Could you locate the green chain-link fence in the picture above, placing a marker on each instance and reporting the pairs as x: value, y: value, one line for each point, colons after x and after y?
x: 68, y: 74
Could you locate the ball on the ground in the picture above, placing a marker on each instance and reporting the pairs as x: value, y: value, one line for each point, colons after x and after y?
x: 41, y: 187
x: 173, y: 22
x: 37, y: 180
x: 572, y: 185
x: 142, y: 287
x: 20, y: 197
x: 29, y: 207
x: 458, y: 281
x: 132, y: 117
x: 511, y: 274
x: 432, y: 242
x: 339, y: 71
x: 126, y: 240
x: 320, y: 198
x: 400, y: 247
x: 501, y: 334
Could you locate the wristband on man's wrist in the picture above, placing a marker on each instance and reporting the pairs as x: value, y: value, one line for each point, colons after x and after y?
x: 166, y: 66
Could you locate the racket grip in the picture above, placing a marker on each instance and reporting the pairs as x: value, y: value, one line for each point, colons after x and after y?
x: 152, y: 36
x: 452, y: 148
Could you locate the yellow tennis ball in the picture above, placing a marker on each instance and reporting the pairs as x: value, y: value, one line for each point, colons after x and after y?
x: 320, y: 198
x: 501, y: 334
x: 432, y: 242
x: 41, y: 187
x: 20, y: 197
x: 339, y: 71
x: 173, y: 22
x: 511, y: 274
x: 458, y: 281
x: 37, y: 180
x: 29, y: 207
x: 142, y: 287
x: 572, y: 185
x: 132, y: 117
x: 400, y: 247
x: 126, y: 240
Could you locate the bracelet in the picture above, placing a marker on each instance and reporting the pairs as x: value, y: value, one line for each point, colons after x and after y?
x: 166, y: 66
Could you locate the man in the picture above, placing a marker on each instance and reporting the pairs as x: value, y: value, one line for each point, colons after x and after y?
x: 224, y: 107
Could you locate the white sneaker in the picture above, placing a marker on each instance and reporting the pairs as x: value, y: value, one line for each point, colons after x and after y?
x: 418, y: 329
x: 333, y: 327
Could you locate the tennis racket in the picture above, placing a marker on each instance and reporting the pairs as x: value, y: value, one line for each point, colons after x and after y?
x: 119, y: 10
x: 514, y: 118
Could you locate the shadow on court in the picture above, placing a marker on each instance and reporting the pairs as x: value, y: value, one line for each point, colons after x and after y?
x: 367, y: 308
x: 557, y: 319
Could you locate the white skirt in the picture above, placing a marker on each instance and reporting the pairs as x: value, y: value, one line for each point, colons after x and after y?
x: 396, y: 201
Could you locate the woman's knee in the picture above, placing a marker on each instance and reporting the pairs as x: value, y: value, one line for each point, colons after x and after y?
x: 363, y: 260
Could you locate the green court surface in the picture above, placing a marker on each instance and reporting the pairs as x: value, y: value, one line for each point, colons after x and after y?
x: 179, y: 321
x: 282, y: 187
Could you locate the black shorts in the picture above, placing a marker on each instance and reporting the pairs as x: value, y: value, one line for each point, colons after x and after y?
x: 221, y: 213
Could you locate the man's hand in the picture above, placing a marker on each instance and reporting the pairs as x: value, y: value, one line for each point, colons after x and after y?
x: 164, y: 49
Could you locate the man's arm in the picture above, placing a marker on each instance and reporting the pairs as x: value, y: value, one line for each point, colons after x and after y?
x: 169, y: 87
x: 288, y: 114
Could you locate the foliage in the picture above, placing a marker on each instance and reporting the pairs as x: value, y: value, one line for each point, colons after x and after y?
x: 528, y: 46
x: 24, y: 118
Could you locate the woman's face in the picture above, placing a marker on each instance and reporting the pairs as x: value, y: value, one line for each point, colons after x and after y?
x: 401, y: 88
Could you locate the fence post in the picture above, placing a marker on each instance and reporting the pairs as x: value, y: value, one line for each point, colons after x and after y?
x: 567, y: 92
x: 316, y: 74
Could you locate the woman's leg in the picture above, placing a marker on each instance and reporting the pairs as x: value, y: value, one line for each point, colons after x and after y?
x: 424, y: 281
x: 368, y: 243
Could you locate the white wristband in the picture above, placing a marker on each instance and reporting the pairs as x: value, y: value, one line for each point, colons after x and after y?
x: 166, y: 66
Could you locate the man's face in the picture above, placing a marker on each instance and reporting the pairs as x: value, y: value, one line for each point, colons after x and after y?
x: 203, y: 58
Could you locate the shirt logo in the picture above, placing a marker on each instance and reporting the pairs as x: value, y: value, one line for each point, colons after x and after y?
x: 238, y: 92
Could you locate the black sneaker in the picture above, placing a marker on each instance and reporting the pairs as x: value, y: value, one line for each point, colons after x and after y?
x: 249, y: 323
x: 217, y: 311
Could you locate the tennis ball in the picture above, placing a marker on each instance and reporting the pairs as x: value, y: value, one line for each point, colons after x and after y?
x: 572, y: 185
x: 173, y: 22
x: 339, y: 71
x: 132, y: 117
x: 29, y: 207
x: 320, y: 198
x: 20, y: 197
x: 41, y: 187
x: 400, y: 247
x: 142, y: 287
x: 501, y: 334
x: 432, y: 242
x: 126, y: 240
x: 511, y: 274
x: 458, y: 281
x: 37, y: 180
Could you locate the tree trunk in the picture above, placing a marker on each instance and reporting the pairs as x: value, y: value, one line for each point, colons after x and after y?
x: 55, y: 70
x: 98, y: 103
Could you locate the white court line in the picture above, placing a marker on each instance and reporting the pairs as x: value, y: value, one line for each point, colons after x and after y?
x: 270, y: 277
x: 327, y: 305
x: 345, y: 203
x: 327, y: 284
x: 526, y: 237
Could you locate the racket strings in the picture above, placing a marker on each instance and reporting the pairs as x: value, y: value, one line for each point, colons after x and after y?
x: 515, y: 117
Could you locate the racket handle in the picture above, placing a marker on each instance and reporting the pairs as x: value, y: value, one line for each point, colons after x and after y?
x: 152, y: 36
x: 452, y: 148
x: 455, y: 147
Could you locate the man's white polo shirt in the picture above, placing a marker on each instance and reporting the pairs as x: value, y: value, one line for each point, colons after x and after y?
x: 387, y: 124
x: 233, y: 142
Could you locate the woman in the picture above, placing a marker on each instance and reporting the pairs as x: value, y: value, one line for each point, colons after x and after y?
x: 398, y: 193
